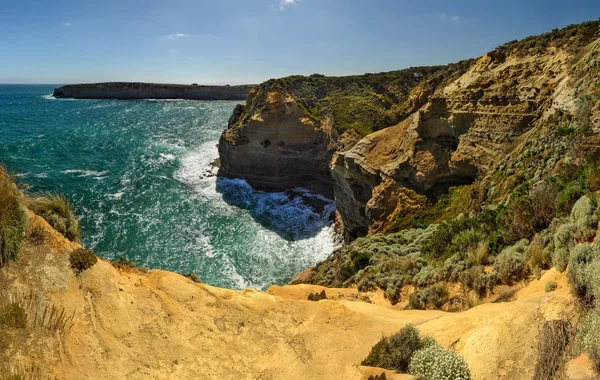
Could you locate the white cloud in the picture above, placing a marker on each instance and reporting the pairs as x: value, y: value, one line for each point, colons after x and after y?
x: 444, y: 16
x: 66, y: 24
x: 284, y: 3
x: 175, y: 36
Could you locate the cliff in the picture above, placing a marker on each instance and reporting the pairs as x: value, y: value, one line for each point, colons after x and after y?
x: 133, y: 90
x: 387, y: 144
x: 126, y: 323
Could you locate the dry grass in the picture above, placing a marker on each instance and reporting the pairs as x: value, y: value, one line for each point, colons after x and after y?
x: 12, y: 219
x: 554, y: 338
x: 37, y: 235
x: 478, y: 255
x: 56, y: 209
x: 34, y: 312
x: 20, y: 372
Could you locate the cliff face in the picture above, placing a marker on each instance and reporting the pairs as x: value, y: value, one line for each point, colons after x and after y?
x: 451, y: 126
x: 280, y: 147
x: 125, y: 90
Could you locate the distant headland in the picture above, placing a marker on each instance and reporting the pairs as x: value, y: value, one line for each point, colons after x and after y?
x: 137, y: 90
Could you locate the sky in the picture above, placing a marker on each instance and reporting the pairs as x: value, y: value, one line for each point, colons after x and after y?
x: 250, y: 41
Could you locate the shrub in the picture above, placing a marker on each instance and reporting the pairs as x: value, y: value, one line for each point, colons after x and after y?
x: 317, y: 296
x: 478, y: 255
x: 438, y: 242
x: 510, y: 263
x: 554, y: 338
x: 12, y: 315
x: 589, y: 337
x: 454, y: 267
x: 193, y: 276
x: 428, y: 275
x: 578, y: 274
x: 432, y: 297
x: 436, y: 363
x: 543, y: 197
x: 550, y: 286
x: 563, y: 244
x: 394, y: 352
x: 593, y: 279
x: 536, y: 254
x: 37, y: 235
x: 465, y: 241
x: 583, y: 217
x: 82, y: 259
x: 12, y: 219
x: 519, y: 221
x: 567, y: 198
x: 55, y: 208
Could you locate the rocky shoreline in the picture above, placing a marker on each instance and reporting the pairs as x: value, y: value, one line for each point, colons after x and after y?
x: 137, y: 90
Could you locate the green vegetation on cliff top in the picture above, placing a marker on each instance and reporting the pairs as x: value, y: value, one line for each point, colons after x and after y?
x: 365, y: 103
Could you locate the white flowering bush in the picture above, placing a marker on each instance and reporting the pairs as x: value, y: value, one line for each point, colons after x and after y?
x: 434, y: 362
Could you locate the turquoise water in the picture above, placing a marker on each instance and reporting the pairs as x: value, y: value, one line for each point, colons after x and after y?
x: 139, y: 175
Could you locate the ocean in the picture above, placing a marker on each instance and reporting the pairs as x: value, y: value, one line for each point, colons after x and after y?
x: 139, y: 175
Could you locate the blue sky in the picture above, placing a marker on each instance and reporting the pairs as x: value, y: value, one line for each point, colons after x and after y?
x: 249, y: 41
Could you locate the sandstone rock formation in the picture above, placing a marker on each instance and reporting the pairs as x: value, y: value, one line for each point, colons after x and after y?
x: 453, y: 126
x: 279, y: 148
x: 133, y: 90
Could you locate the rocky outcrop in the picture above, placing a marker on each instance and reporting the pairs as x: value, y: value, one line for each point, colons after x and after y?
x: 134, y: 90
x: 450, y: 126
x: 280, y: 147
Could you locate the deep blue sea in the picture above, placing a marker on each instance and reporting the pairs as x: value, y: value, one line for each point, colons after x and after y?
x: 139, y: 175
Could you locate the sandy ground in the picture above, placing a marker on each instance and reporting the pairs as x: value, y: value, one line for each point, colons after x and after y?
x: 160, y: 325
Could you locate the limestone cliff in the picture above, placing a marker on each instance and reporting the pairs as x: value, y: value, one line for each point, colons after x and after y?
x: 134, y: 90
x: 280, y: 147
x: 424, y: 130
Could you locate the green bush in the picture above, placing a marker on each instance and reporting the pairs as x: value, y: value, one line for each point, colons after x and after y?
x: 428, y: 275
x: 432, y: 297
x: 578, y: 275
x: 589, y: 337
x: 537, y: 255
x: 55, y: 208
x: 567, y: 198
x: 394, y: 352
x: 583, y: 217
x: 82, y: 259
x: 511, y: 265
x: 438, y: 244
x: 564, y: 242
x: 436, y: 363
x: 550, y: 286
x: 454, y: 267
x: 465, y: 241
x: 12, y: 219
